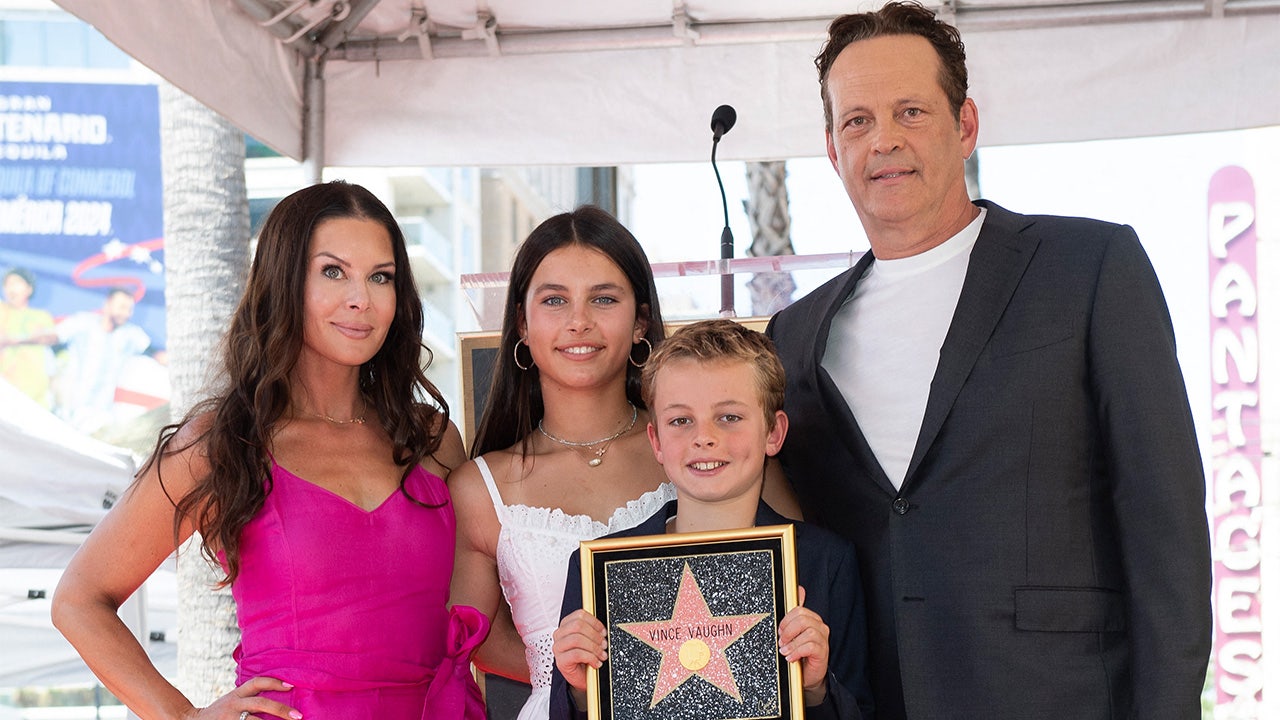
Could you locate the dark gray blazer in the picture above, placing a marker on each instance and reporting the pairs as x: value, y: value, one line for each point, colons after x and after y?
x: 1047, y: 556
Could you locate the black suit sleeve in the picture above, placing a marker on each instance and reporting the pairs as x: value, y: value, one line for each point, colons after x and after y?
x: 1157, y: 483
x: 834, y: 592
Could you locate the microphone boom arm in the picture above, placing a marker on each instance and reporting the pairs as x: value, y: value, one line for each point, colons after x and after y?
x: 722, y: 120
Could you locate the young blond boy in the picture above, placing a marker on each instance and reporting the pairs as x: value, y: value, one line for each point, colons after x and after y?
x: 714, y: 390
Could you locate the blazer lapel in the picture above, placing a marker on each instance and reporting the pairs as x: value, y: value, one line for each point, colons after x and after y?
x: 833, y: 403
x: 837, y: 294
x: 1000, y: 256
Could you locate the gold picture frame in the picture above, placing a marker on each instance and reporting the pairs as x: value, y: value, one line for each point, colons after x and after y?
x: 692, y: 625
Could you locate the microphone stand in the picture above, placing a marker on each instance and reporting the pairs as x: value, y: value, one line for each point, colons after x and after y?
x: 726, y: 241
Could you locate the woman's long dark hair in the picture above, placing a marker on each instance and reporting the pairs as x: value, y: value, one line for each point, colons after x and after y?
x: 260, y: 351
x: 515, y: 405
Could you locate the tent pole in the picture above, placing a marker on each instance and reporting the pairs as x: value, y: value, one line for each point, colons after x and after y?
x: 313, y: 121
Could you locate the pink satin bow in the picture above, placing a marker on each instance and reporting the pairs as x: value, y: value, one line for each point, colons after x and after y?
x: 453, y: 693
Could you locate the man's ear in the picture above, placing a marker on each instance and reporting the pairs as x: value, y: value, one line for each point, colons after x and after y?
x: 968, y: 126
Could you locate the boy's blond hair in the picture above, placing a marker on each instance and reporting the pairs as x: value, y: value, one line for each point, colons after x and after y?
x: 711, y: 341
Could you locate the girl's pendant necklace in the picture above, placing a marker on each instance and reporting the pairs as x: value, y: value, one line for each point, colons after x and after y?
x: 604, y: 443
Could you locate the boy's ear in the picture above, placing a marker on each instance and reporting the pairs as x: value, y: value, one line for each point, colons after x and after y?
x: 654, y: 442
x: 773, y: 442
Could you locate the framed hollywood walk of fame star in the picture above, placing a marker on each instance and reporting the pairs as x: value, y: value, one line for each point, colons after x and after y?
x: 692, y: 622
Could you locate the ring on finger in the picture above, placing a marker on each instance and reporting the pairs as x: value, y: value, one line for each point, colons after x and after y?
x: 244, y: 715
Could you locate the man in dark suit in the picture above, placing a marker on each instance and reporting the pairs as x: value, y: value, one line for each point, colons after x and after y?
x: 990, y: 406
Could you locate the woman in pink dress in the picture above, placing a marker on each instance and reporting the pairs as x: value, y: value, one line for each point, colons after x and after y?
x: 315, y: 477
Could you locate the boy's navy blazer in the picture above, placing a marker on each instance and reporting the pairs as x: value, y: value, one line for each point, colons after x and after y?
x: 1047, y: 555
x: 828, y: 571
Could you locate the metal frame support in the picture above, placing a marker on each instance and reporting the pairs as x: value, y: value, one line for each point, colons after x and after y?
x: 313, y: 121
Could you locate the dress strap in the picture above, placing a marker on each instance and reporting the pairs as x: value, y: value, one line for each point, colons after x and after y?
x: 498, y: 506
x: 275, y: 470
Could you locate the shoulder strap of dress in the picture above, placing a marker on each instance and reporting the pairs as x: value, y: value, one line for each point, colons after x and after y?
x: 276, y: 471
x: 492, y: 486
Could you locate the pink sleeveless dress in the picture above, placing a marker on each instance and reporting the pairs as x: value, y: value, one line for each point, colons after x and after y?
x: 349, y: 606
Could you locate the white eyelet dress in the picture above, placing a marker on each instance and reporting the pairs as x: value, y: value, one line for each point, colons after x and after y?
x: 533, y: 551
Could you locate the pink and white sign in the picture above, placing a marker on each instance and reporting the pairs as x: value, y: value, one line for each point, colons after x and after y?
x: 1236, y: 491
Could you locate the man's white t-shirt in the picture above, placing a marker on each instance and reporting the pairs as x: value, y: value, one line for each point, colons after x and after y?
x: 882, y: 350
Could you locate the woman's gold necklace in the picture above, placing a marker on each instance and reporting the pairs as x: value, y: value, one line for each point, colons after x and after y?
x: 604, y: 443
x: 357, y: 420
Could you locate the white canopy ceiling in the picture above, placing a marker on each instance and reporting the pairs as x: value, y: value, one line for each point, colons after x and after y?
x: 586, y: 82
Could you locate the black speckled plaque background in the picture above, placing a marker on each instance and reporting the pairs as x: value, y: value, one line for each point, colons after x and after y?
x: 740, y: 577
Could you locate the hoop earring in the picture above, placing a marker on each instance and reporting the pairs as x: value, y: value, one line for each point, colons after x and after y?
x: 515, y: 355
x: 647, y: 355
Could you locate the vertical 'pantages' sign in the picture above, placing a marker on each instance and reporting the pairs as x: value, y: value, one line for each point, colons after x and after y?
x: 1237, y: 442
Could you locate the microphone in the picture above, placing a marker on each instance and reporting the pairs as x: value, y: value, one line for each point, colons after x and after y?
x: 722, y: 121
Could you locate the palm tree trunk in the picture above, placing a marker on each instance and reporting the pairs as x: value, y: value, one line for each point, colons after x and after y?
x: 769, y: 213
x: 206, y: 220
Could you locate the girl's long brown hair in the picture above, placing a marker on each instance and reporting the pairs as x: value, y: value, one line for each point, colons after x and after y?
x: 260, y: 351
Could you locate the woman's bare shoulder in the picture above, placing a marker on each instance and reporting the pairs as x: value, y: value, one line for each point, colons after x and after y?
x: 187, y: 449
x: 503, y: 466
x: 451, y: 455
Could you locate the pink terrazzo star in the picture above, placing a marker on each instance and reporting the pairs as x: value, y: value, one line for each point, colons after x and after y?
x: 693, y: 641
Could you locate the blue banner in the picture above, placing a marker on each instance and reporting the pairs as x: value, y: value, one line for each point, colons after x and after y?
x: 81, y: 204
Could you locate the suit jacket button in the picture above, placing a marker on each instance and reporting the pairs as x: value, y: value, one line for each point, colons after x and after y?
x: 901, y: 506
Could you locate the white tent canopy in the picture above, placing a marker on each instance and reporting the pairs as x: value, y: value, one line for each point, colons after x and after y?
x: 582, y: 82
x: 55, y: 483
x: 50, y: 467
